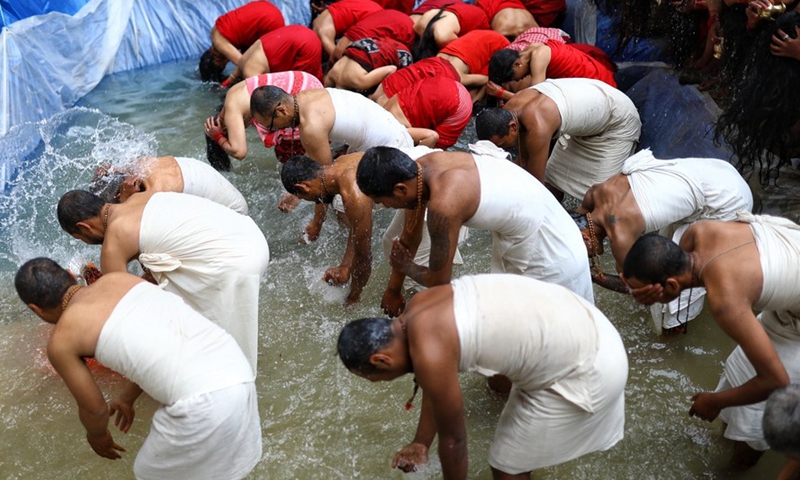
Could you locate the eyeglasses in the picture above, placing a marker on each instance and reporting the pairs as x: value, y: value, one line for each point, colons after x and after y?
x: 272, y: 121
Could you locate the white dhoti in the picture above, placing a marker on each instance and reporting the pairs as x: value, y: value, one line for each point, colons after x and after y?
x: 672, y: 194
x: 210, y: 256
x: 778, y: 243
x: 566, y: 361
x: 532, y: 234
x: 203, y: 437
x: 202, y: 180
x: 361, y: 123
x: 600, y: 128
x: 208, y: 425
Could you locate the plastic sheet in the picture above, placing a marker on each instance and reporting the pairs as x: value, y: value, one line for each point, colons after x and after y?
x: 49, y: 61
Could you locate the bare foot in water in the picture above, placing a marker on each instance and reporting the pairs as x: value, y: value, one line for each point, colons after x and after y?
x: 288, y: 202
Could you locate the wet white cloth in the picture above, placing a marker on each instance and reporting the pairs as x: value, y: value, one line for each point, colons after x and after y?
x: 202, y: 180
x: 208, y: 425
x: 361, y: 123
x: 685, y: 190
x: 210, y: 256
x: 566, y: 361
x: 671, y: 194
x: 599, y: 129
x: 778, y: 243
x: 532, y: 234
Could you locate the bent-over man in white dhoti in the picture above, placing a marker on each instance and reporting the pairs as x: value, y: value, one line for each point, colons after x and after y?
x: 532, y: 234
x: 168, y: 174
x: 750, y: 264
x: 567, y: 362
x: 208, y: 424
x: 595, y: 127
x: 206, y: 253
x: 665, y: 196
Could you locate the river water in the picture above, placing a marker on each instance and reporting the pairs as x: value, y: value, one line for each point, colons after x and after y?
x: 318, y: 420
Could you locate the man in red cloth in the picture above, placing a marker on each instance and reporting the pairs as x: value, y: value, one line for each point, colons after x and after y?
x: 366, y: 62
x: 332, y: 22
x: 457, y: 19
x: 237, y: 30
x: 384, y: 24
x: 293, y: 47
x: 435, y: 110
x: 507, y: 17
x: 425, y: 68
x: 470, y: 55
x: 511, y: 71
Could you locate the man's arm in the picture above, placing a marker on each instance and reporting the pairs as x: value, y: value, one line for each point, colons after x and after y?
x: 236, y: 146
x: 443, y: 228
x: 122, y: 405
x: 415, y: 454
x: 314, y: 138
x: 117, y: 251
x: 424, y: 136
x: 393, y: 302
x: 92, y: 408
x: 732, y: 311
x: 536, y: 143
x: 358, y: 255
x: 436, y: 370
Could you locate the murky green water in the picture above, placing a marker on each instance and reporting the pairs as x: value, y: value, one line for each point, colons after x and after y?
x: 319, y: 421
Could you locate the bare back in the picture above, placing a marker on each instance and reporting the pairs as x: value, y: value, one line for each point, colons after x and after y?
x: 614, y: 209
x: 81, y: 323
x: 539, y: 121
x: 161, y: 174
x: 453, y: 182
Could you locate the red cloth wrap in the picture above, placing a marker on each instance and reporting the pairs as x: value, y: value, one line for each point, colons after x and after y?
x: 545, y: 11
x: 293, y: 47
x: 346, y: 13
x: 425, y: 68
x: 476, y: 49
x: 405, y: 6
x: 439, y: 104
x: 566, y: 61
x: 469, y: 17
x: 244, y: 25
x: 372, y: 53
x: 491, y: 7
x: 386, y: 24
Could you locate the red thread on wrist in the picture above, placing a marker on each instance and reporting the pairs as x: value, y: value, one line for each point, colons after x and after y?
x: 501, y: 92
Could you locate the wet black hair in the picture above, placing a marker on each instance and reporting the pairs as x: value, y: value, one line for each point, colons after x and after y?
x: 360, y: 339
x: 209, y: 71
x: 381, y: 168
x: 653, y: 259
x: 42, y: 282
x: 297, y: 169
x: 426, y: 46
x: 765, y: 106
x: 501, y: 65
x: 217, y: 156
x: 77, y: 206
x: 107, y: 185
x: 492, y: 122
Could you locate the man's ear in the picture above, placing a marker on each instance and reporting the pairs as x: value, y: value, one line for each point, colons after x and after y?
x: 36, y: 309
x: 302, y: 187
x: 83, y: 227
x: 671, y: 286
x: 400, y: 189
x: 381, y: 360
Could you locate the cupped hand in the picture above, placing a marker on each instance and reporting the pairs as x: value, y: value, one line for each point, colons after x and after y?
x: 410, y: 457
